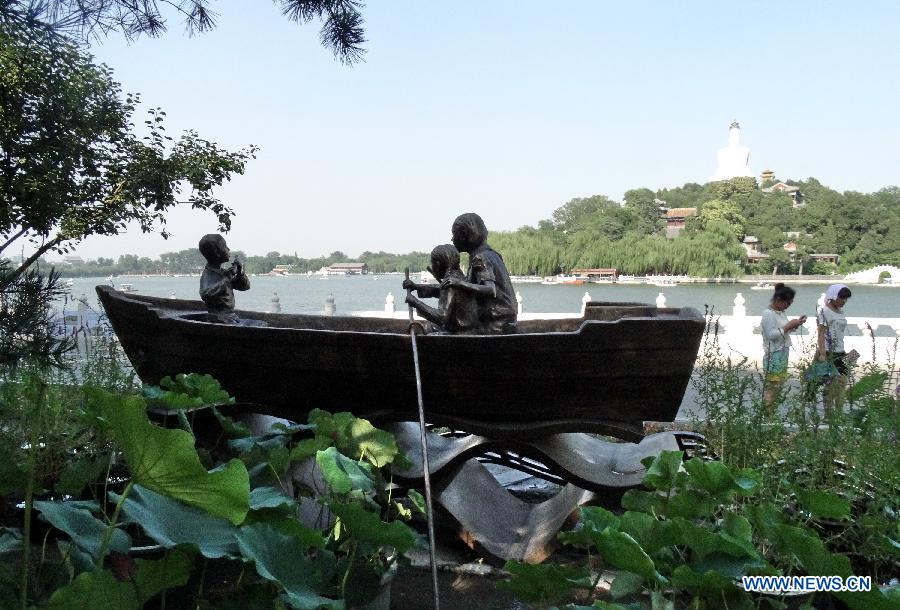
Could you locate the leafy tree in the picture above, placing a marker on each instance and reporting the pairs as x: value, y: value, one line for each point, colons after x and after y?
x: 689, y: 195
x: 579, y: 211
x: 643, y: 203
x: 342, y: 22
x: 779, y: 259
x: 739, y: 189
x: 724, y: 212
x: 71, y: 165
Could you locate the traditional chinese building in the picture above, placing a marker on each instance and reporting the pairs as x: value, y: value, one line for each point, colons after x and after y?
x: 348, y: 269
x: 675, y: 220
x: 793, y: 191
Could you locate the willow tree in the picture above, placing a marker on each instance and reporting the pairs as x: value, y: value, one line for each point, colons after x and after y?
x: 530, y: 251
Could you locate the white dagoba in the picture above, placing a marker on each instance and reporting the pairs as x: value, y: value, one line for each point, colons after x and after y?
x: 734, y: 159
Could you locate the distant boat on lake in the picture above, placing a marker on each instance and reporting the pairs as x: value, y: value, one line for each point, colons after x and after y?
x: 571, y: 280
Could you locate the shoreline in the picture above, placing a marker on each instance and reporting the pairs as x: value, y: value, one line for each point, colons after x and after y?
x: 746, y: 280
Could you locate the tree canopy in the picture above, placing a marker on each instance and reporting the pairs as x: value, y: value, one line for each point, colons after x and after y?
x: 71, y: 164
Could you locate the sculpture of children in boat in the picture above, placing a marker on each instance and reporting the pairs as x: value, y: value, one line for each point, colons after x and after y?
x: 488, y: 280
x: 217, y: 285
x: 457, y: 311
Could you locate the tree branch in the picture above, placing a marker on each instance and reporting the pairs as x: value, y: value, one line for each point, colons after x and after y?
x: 30, y: 260
x: 13, y: 238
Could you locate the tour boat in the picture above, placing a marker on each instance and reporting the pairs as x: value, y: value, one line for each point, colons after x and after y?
x: 662, y: 281
x: 623, y: 362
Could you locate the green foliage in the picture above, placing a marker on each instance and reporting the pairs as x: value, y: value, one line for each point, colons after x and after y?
x: 170, y: 523
x: 544, y: 583
x: 165, y: 461
x: 186, y: 392
x: 644, y: 203
x: 578, y: 213
x: 102, y: 589
x: 76, y: 520
x: 726, y: 213
x: 27, y: 329
x: 74, y: 166
x: 342, y: 22
x: 10, y: 540
x: 171, y: 499
x: 281, y: 557
x: 684, y: 542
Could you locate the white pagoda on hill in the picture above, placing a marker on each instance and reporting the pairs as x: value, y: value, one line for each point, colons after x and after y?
x: 734, y: 159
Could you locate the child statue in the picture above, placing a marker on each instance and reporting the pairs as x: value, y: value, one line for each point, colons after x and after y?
x: 488, y: 280
x: 217, y: 285
x: 457, y: 310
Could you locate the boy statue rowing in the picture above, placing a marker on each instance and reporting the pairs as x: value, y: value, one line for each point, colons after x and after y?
x: 457, y: 311
x: 487, y: 280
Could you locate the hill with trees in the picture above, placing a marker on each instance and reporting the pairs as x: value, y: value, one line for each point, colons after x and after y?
x: 863, y: 229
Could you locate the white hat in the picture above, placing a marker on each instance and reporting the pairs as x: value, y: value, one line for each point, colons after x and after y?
x: 833, y: 290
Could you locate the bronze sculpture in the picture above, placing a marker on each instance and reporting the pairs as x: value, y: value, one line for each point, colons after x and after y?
x: 540, y: 389
x: 457, y: 311
x: 487, y: 279
x: 217, y: 284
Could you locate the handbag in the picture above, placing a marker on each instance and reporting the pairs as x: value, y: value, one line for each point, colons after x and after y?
x: 776, y: 363
x: 820, y: 372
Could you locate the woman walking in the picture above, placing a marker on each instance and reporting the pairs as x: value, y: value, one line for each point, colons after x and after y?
x: 776, y: 329
x: 832, y: 325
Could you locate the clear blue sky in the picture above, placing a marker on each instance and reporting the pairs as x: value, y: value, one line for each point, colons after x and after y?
x: 510, y: 108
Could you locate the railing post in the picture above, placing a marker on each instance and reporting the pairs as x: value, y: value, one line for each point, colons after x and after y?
x: 82, y: 323
x: 329, y: 305
x: 660, y: 301
x: 82, y: 310
x: 275, y: 305
x: 585, y: 300
x: 739, y: 311
x: 519, y: 302
x: 389, y: 303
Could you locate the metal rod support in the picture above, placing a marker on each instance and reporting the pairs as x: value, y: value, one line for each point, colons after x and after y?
x: 429, y: 513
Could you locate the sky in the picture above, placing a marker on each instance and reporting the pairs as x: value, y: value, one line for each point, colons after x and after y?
x: 508, y: 108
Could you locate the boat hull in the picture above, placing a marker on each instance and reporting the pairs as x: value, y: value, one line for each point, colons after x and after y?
x: 630, y: 369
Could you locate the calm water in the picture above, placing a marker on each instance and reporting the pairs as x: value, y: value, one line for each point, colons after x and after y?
x: 303, y: 294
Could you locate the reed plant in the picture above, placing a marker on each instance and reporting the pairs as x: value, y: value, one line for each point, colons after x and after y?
x: 799, y: 447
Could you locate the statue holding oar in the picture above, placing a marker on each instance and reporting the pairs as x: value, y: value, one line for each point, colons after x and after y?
x: 487, y: 280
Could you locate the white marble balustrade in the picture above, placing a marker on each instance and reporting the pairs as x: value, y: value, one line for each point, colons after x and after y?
x: 740, y: 335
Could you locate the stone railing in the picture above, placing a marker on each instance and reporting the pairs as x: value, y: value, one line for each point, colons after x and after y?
x: 876, y: 339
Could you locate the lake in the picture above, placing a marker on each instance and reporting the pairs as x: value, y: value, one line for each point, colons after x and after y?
x: 307, y: 294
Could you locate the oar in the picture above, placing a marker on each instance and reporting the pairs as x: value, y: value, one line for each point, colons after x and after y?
x: 427, y: 475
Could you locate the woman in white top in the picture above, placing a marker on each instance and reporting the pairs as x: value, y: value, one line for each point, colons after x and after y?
x: 776, y: 329
x: 832, y: 325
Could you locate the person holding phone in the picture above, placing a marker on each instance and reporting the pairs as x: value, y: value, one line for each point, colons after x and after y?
x: 776, y: 328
